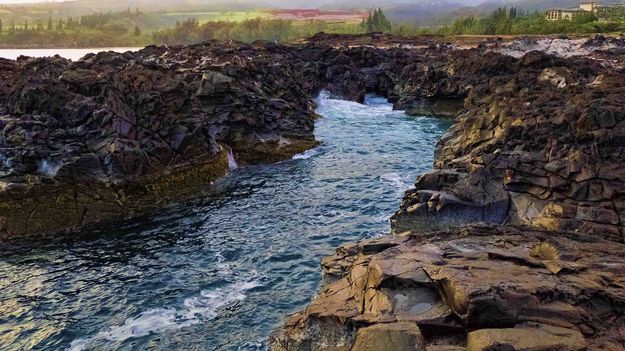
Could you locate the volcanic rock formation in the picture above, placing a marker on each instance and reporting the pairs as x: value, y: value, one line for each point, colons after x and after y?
x: 536, y: 151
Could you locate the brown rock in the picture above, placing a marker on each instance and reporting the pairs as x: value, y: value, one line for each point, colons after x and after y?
x: 402, y: 336
x: 526, y: 338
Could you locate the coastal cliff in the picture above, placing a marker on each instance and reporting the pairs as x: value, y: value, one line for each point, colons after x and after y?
x: 515, y: 240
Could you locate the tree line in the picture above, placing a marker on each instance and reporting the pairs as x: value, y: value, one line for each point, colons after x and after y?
x: 118, y: 28
x: 514, y: 21
x: 191, y: 31
x: 99, y: 20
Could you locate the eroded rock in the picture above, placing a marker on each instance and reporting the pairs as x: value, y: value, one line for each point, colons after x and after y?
x: 469, y: 281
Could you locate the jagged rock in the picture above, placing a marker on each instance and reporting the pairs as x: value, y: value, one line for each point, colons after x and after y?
x: 529, y: 141
x: 538, y: 146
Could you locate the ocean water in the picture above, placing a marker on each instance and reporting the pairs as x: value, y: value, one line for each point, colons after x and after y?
x: 72, y: 54
x: 219, y: 272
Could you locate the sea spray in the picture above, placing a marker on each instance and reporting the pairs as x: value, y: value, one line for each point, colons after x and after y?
x: 5, y: 162
x: 49, y: 168
x: 306, y: 154
x: 232, y: 163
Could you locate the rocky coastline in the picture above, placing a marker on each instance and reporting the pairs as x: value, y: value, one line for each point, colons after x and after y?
x: 113, y: 135
x: 513, y: 242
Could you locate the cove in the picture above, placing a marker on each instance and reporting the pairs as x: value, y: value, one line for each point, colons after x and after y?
x: 220, y: 272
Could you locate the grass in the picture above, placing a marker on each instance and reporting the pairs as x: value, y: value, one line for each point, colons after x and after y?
x: 232, y: 16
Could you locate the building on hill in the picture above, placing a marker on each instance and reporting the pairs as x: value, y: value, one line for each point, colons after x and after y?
x: 563, y: 14
x: 588, y: 6
x: 603, y: 12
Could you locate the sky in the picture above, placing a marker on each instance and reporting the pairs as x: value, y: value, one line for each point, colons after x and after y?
x: 20, y: 1
x: 31, y: 1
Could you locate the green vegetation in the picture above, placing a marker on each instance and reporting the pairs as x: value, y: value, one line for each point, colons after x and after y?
x: 376, y: 22
x: 191, y: 31
x: 21, y: 26
x: 504, y: 21
x: 136, y: 28
x: 96, y: 29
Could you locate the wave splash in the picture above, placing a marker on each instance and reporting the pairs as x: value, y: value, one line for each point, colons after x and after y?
x: 195, y: 310
x: 306, y: 154
x: 232, y: 163
x: 396, y: 180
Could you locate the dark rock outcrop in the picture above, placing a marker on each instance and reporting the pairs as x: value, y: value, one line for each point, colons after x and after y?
x: 112, y: 135
x: 540, y: 143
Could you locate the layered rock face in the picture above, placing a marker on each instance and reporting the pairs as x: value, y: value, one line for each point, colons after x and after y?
x: 482, y: 287
x: 535, y: 156
x: 540, y: 143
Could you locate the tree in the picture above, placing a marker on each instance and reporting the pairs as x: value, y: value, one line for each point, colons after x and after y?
x: 26, y: 26
x: 377, y: 22
x: 0, y: 25
x: 39, y: 26
x: 59, y: 25
x: 49, y: 24
x: 137, y: 31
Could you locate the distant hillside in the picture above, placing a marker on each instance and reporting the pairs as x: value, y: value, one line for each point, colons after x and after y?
x: 438, y: 14
x: 539, y: 4
x: 425, y: 14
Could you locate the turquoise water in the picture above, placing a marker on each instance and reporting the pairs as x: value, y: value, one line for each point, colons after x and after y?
x: 220, y: 272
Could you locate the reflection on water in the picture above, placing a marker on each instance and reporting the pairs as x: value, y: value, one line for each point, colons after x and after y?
x: 72, y: 54
x: 220, y: 272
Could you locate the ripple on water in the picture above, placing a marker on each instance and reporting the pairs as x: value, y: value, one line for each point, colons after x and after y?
x: 223, y: 270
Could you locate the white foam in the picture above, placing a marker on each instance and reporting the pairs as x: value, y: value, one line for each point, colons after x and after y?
x: 394, y: 179
x: 49, y: 168
x: 232, y: 163
x: 323, y: 95
x: 194, y: 310
x: 306, y: 154
x: 5, y: 162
